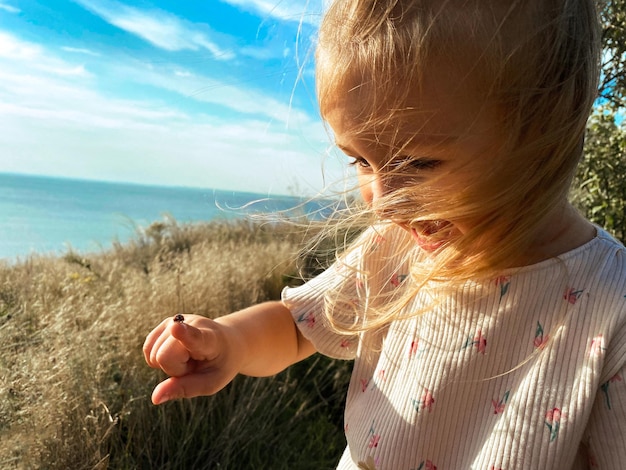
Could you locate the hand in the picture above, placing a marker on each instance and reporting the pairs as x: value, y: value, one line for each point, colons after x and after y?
x: 200, y: 355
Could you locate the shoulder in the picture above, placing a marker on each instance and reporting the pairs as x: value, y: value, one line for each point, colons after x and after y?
x: 609, y: 242
x: 604, y: 268
x: 600, y: 264
x: 608, y: 280
x: 612, y: 247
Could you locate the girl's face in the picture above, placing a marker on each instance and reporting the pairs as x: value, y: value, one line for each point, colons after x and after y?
x: 441, y: 142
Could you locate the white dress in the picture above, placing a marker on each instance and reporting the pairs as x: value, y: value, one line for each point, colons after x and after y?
x: 526, y: 371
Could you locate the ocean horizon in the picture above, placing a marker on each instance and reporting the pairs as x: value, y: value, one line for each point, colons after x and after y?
x: 53, y: 215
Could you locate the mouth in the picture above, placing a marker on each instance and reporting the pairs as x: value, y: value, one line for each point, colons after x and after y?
x: 430, y: 235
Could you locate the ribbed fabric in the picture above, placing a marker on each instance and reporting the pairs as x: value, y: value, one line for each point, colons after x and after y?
x: 524, y: 372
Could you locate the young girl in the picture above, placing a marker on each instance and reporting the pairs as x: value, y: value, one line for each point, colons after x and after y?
x: 485, y: 317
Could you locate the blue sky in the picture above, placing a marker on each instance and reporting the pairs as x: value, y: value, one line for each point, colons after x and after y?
x: 205, y: 93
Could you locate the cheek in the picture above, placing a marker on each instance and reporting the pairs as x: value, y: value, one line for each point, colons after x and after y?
x: 373, y: 187
x: 366, y: 188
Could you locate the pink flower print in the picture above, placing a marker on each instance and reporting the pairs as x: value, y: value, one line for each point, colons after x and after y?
x: 479, y: 341
x: 605, y: 388
x: 553, y: 422
x: 381, y: 375
x: 415, y: 350
x: 493, y: 467
x: 572, y: 295
x: 426, y: 465
x: 426, y: 402
x: 376, y: 242
x: 374, y: 438
x: 504, y: 282
x: 597, y: 346
x: 308, y: 318
x: 374, y: 441
x: 345, y: 343
x: 397, y: 279
x: 364, y: 384
x: 498, y: 406
x: 554, y: 414
x: 540, y: 340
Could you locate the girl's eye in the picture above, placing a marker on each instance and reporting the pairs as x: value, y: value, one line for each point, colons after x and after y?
x: 359, y: 162
x: 416, y: 163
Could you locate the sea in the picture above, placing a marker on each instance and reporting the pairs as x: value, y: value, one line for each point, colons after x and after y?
x: 51, y: 215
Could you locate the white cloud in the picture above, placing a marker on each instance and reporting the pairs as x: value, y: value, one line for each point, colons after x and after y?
x: 72, y: 71
x: 48, y: 88
x: 80, y: 50
x: 55, y: 121
x: 162, y: 29
x: 305, y: 11
x: 12, y: 47
x: 56, y: 77
x: 205, y: 89
x: 246, y: 155
x: 9, y: 8
x: 32, y: 56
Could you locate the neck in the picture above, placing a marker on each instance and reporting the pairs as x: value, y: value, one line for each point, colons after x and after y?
x: 562, y: 230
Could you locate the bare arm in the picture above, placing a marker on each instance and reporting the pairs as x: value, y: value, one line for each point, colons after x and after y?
x: 202, y: 356
x: 270, y: 339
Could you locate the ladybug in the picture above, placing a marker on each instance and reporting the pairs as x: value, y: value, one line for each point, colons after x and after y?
x: 179, y: 318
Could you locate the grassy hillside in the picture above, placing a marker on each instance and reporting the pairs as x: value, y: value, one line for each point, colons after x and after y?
x: 75, y: 391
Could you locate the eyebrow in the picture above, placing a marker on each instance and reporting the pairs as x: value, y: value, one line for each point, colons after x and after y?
x: 433, y: 139
x: 344, y: 149
x: 430, y: 140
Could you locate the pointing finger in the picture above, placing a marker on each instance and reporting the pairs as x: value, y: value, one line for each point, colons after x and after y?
x: 201, y: 343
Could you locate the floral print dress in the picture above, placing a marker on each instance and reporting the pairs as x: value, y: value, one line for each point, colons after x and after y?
x: 524, y: 371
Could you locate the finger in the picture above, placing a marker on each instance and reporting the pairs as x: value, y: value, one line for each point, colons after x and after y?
x: 189, y: 386
x: 173, y: 358
x: 158, y: 352
x: 162, y: 346
x: 149, y: 343
x: 202, y: 344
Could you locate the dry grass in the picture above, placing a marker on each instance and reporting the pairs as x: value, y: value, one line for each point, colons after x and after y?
x: 74, y: 390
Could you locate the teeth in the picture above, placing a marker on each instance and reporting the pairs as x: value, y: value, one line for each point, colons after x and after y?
x: 429, y: 229
x: 430, y: 234
x: 431, y: 226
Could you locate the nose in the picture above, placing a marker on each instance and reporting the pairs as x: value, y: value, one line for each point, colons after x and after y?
x: 376, y: 186
x: 371, y: 187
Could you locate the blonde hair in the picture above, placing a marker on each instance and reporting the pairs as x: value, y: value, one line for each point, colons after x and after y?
x: 536, y: 61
